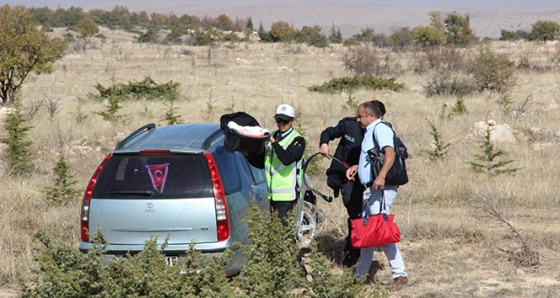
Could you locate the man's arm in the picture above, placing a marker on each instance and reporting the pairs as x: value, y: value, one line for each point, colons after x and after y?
x: 293, y: 152
x: 329, y: 134
x: 388, y: 161
x: 332, y: 132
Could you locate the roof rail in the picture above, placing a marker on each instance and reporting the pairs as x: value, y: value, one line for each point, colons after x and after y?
x: 134, y: 134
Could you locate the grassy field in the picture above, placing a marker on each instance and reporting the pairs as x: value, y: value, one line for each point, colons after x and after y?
x: 451, y: 243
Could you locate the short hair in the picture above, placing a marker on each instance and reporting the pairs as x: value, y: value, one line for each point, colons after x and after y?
x: 375, y: 107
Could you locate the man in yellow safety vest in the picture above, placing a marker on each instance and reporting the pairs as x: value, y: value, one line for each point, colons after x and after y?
x: 283, y: 162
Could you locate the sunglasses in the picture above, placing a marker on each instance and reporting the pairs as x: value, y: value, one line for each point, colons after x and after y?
x: 280, y: 120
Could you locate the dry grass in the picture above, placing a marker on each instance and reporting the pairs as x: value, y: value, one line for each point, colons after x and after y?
x: 448, y: 251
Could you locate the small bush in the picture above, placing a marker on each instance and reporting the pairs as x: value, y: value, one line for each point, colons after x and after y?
x: 112, y: 107
x: 544, y: 30
x: 349, y: 84
x: 488, y: 161
x: 446, y: 59
x: 171, y: 117
x: 402, y: 39
x: 312, y: 36
x: 146, y: 88
x: 492, y: 71
x: 444, y: 83
x: 365, y: 60
x: 18, y: 155
x: 63, y: 191
x: 440, y: 59
x: 426, y: 36
x: 439, y: 148
x: 509, y: 35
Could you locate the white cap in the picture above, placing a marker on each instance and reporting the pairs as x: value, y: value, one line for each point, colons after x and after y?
x: 285, y: 112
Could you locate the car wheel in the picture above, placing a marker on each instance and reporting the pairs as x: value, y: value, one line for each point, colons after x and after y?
x: 312, y: 221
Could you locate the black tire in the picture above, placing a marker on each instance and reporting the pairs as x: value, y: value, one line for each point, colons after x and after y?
x: 311, y: 223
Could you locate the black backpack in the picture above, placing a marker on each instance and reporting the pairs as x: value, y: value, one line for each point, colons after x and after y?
x: 397, y: 175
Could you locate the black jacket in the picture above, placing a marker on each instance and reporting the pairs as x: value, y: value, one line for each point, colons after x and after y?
x: 348, y: 149
x: 293, y: 153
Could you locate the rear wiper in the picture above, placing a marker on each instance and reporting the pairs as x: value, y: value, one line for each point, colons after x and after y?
x: 132, y: 192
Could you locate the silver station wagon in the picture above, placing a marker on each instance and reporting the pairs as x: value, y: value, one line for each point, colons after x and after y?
x: 179, y: 183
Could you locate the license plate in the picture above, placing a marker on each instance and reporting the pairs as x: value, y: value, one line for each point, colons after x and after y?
x: 172, y: 261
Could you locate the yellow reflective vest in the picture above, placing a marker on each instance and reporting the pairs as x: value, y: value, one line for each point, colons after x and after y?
x: 282, y: 179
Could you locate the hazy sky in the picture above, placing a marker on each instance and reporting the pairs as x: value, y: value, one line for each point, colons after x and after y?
x: 459, y: 4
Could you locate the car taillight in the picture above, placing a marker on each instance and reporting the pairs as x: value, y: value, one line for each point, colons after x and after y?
x: 84, y: 217
x: 222, y: 221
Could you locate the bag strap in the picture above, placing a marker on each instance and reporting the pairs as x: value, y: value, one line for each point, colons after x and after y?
x: 382, y: 208
x: 373, y: 134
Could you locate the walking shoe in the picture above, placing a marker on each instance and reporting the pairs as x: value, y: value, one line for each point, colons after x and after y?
x: 399, y: 283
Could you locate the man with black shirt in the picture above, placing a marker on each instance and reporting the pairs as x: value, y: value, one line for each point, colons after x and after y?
x: 347, y: 154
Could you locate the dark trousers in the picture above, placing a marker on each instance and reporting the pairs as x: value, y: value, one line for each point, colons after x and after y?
x: 352, y: 196
x: 282, y: 208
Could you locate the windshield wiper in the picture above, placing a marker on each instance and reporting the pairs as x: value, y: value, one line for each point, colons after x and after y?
x: 132, y: 192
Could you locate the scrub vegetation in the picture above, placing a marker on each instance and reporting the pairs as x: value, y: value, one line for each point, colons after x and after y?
x: 487, y: 233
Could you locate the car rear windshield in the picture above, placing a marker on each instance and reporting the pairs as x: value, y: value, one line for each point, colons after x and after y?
x: 154, y: 176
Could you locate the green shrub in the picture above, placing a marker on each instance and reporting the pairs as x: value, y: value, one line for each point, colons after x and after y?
x: 544, y: 30
x: 63, y: 190
x: 428, y: 36
x: 335, y: 35
x: 444, y: 83
x: 18, y: 155
x: 171, y: 117
x: 65, y: 272
x: 112, y: 107
x: 349, y: 84
x: 488, y: 161
x: 146, y: 88
x: 273, y: 250
x: 282, y: 32
x: 509, y: 35
x: 312, y: 36
x: 439, y: 149
x: 326, y: 284
x: 492, y: 71
x: 458, y: 29
x: 272, y: 269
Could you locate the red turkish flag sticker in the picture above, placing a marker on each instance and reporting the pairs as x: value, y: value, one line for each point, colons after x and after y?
x: 158, y: 175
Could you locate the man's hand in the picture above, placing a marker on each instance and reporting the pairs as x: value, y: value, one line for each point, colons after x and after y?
x: 351, y: 172
x: 324, y: 149
x: 379, y: 183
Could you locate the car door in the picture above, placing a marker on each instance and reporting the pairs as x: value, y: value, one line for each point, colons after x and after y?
x: 256, y: 182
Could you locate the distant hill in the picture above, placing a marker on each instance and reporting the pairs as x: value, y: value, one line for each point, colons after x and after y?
x: 350, y: 17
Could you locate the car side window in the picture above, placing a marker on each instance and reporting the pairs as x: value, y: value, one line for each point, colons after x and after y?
x: 258, y: 174
x: 244, y: 167
x: 227, y: 166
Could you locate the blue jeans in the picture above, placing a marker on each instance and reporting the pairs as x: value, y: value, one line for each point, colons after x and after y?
x: 391, y: 250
